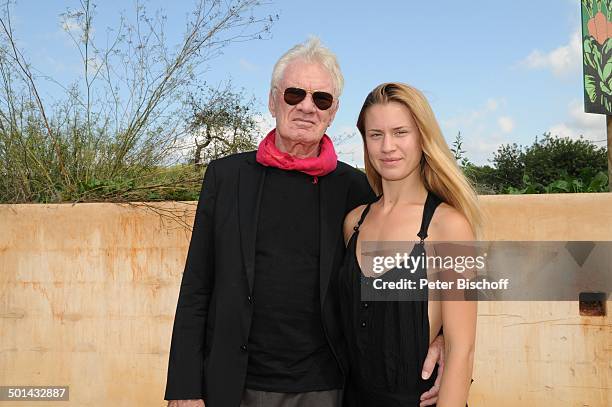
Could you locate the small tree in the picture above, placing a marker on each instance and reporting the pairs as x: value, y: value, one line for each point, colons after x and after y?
x: 223, y: 122
x: 482, y: 178
x: 509, y: 163
x: 458, y: 151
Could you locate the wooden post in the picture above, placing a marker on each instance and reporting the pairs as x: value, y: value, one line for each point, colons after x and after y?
x: 609, y: 132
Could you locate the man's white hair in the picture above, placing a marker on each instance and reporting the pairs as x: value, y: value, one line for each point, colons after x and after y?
x: 310, y: 51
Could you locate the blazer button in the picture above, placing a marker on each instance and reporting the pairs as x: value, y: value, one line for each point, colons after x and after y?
x: 250, y: 299
x: 365, y: 305
x: 363, y: 324
x: 243, y: 348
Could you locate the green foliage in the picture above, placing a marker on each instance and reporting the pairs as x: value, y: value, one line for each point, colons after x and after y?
x: 175, y: 183
x: 565, y: 184
x: 549, y: 165
x: 458, y: 151
x: 484, y: 178
x: 118, y: 132
x: 509, y: 162
x: 552, y: 158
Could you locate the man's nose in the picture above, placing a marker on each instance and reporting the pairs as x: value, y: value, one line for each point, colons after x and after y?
x: 307, y: 105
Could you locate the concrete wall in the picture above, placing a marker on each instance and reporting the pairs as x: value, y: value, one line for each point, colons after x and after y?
x: 544, y: 353
x: 88, y: 293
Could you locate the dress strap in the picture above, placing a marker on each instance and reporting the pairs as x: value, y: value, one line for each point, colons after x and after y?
x: 364, y: 214
x: 431, y: 203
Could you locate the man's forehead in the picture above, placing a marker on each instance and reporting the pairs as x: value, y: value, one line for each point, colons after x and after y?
x: 307, y: 75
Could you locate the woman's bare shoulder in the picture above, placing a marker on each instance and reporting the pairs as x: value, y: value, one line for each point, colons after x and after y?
x: 351, y: 220
x: 353, y: 216
x: 450, y: 224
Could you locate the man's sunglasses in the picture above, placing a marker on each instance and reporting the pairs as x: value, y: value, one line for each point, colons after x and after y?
x: 322, y: 100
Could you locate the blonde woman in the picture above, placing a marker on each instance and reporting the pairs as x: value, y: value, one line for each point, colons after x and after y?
x: 423, y: 195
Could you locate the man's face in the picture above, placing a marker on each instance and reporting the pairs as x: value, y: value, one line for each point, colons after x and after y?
x: 303, y: 123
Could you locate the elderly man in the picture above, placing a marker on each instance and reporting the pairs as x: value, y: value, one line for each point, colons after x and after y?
x: 257, y: 316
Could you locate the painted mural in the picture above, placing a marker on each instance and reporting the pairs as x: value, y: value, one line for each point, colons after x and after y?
x: 596, y: 51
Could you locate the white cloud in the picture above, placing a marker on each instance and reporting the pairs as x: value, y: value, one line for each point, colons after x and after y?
x: 265, y: 123
x: 470, y: 118
x: 563, y: 60
x: 492, y: 104
x: 481, y: 147
x: 247, y: 65
x: 57, y: 65
x: 591, y: 126
x: 506, y: 124
x: 70, y: 25
x: 483, y: 129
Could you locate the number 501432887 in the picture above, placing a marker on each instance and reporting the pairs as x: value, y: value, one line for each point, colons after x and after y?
x: 31, y: 393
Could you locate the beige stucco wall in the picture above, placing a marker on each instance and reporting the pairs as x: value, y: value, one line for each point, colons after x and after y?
x: 88, y: 293
x: 544, y: 353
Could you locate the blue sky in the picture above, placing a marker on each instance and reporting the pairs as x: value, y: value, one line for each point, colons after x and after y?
x: 498, y: 71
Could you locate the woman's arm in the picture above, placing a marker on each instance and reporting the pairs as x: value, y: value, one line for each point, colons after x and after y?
x: 458, y: 321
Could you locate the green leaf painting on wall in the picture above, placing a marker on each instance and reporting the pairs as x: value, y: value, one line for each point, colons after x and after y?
x: 597, y: 53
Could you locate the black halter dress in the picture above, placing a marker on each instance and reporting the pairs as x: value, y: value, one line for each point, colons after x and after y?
x: 387, y: 340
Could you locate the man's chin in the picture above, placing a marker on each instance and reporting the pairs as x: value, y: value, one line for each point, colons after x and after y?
x: 305, y: 130
x: 305, y: 135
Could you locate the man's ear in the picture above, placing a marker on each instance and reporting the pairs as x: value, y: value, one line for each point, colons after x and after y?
x: 333, y: 115
x: 272, y: 103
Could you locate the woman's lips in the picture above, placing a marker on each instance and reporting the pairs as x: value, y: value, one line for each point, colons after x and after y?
x: 390, y: 161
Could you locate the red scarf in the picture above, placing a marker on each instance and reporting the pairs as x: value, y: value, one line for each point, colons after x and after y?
x: 270, y: 156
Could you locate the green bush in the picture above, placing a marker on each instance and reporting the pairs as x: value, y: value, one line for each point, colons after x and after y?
x: 549, y: 165
x: 554, y: 158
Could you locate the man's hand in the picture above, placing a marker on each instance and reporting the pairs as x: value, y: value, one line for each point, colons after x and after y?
x: 435, y: 354
x: 186, y: 403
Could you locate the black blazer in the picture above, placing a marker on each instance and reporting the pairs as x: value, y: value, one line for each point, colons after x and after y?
x: 209, y: 354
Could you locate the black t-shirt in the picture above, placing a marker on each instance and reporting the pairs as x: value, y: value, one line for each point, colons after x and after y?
x: 288, y: 351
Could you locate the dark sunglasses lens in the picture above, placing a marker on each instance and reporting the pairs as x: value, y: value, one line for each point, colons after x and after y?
x: 323, y: 100
x: 293, y: 96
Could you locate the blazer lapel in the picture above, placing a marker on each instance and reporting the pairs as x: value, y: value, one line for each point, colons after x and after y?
x: 332, y: 197
x: 250, y: 187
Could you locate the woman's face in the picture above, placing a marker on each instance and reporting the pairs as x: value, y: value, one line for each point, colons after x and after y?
x: 393, y: 141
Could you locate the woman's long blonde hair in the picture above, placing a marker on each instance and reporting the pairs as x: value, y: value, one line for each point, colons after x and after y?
x: 439, y: 170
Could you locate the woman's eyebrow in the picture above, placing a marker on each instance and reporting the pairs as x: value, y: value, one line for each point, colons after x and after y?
x: 406, y: 126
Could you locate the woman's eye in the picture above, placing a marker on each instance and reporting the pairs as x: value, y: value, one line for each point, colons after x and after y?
x: 375, y: 135
x: 401, y: 132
